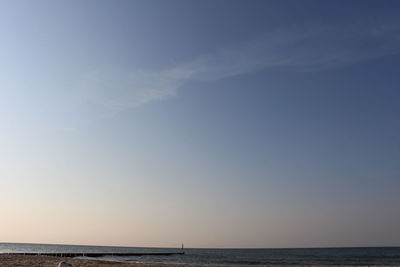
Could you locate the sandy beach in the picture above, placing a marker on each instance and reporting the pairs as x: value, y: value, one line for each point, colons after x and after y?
x: 50, y: 261
x: 8, y: 260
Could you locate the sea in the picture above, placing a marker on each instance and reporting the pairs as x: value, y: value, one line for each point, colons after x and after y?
x: 203, y: 257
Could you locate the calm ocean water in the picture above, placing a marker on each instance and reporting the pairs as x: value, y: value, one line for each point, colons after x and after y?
x: 303, y: 256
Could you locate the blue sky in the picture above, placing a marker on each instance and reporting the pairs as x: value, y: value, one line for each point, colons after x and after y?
x: 213, y: 123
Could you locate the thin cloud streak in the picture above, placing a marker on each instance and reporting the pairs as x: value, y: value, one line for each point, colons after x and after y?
x: 300, y: 50
x: 119, y: 89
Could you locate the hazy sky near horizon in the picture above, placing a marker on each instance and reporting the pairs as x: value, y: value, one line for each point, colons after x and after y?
x: 212, y: 123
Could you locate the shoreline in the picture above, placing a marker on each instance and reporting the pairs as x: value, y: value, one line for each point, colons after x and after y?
x: 10, y: 260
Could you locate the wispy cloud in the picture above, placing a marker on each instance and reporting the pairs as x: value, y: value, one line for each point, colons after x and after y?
x: 121, y: 89
x: 312, y: 49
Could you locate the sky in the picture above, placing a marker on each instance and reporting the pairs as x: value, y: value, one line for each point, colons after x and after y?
x: 247, y: 124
